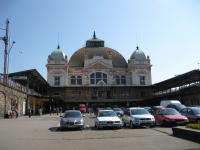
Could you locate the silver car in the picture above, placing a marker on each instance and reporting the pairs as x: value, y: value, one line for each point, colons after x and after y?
x: 72, y: 119
x: 136, y: 116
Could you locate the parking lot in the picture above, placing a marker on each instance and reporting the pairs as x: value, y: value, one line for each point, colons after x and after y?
x: 42, y: 133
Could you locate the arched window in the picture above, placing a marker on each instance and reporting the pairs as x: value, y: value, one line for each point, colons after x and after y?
x: 57, y: 80
x: 97, y: 77
x: 142, y: 80
x: 79, y: 80
x: 117, y: 80
x: 73, y: 80
x: 123, y: 80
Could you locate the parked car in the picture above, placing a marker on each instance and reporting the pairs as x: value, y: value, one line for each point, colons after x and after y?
x: 167, y: 102
x: 170, y: 116
x: 138, y: 117
x: 149, y: 109
x: 96, y: 111
x: 72, y: 119
x: 192, y: 113
x: 155, y: 109
x: 107, y: 118
x: 176, y: 106
x: 119, y: 111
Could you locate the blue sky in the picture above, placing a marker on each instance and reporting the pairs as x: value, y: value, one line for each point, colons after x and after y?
x: 167, y: 30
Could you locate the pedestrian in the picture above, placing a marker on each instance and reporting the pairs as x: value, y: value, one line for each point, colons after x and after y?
x: 29, y: 112
x: 60, y: 111
x: 40, y: 111
x: 16, y: 114
x: 9, y: 114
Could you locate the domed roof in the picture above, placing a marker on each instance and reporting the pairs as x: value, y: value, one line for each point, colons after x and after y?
x: 57, y: 54
x: 138, y: 54
x: 95, y: 47
x: 77, y: 59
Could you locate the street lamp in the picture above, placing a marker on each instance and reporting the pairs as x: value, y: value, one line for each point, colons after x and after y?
x: 7, y: 50
x: 9, y: 56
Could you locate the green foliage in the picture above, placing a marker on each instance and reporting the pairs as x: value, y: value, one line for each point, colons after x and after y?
x: 194, y: 126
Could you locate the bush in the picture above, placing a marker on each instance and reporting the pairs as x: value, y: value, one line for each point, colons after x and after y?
x: 194, y: 126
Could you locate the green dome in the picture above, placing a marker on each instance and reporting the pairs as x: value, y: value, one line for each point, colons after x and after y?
x: 57, y: 54
x: 77, y: 59
x: 138, y: 54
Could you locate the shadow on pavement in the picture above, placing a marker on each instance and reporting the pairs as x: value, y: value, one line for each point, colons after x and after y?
x: 58, y: 129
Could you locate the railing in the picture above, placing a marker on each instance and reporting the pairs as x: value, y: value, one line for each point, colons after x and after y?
x: 12, y: 84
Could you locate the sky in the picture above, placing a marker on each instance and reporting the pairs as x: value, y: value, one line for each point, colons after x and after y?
x: 166, y: 30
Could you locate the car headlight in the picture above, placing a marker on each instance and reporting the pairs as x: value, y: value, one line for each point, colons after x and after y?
x: 79, y: 122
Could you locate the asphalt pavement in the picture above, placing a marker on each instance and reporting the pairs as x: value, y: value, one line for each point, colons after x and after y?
x: 42, y: 133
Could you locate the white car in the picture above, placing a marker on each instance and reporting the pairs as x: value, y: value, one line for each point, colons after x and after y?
x: 107, y: 118
x: 138, y: 117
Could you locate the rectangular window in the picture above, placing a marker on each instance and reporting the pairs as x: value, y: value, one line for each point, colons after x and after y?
x: 117, y: 81
x: 92, y: 81
x: 73, y: 81
x: 98, y: 75
x: 142, y: 80
x: 123, y: 81
x: 79, y: 81
x: 56, y: 80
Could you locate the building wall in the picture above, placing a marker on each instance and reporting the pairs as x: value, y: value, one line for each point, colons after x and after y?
x: 8, y: 96
x: 98, y: 94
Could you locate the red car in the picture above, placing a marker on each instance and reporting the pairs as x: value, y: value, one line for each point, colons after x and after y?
x: 170, y: 116
x: 82, y: 108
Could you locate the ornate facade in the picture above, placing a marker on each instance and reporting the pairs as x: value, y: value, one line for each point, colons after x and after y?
x: 96, y: 66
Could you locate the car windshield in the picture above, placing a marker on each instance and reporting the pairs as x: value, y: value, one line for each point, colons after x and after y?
x: 82, y: 107
x: 107, y: 114
x: 72, y: 115
x: 139, y: 112
x: 180, y: 106
x: 117, y: 109
x: 196, y: 110
x: 170, y: 112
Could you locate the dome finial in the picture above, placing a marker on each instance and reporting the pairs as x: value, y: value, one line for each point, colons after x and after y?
x: 94, y: 35
x: 137, y: 47
x: 58, y: 41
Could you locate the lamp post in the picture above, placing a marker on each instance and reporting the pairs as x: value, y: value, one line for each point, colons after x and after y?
x: 7, y: 50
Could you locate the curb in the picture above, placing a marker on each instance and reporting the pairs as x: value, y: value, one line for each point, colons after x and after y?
x: 186, y: 133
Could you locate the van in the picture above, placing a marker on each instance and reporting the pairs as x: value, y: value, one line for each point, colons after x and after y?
x: 167, y: 102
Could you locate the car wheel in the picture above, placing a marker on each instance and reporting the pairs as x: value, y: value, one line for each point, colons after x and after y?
x: 152, y: 126
x: 96, y: 127
x: 164, y: 123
